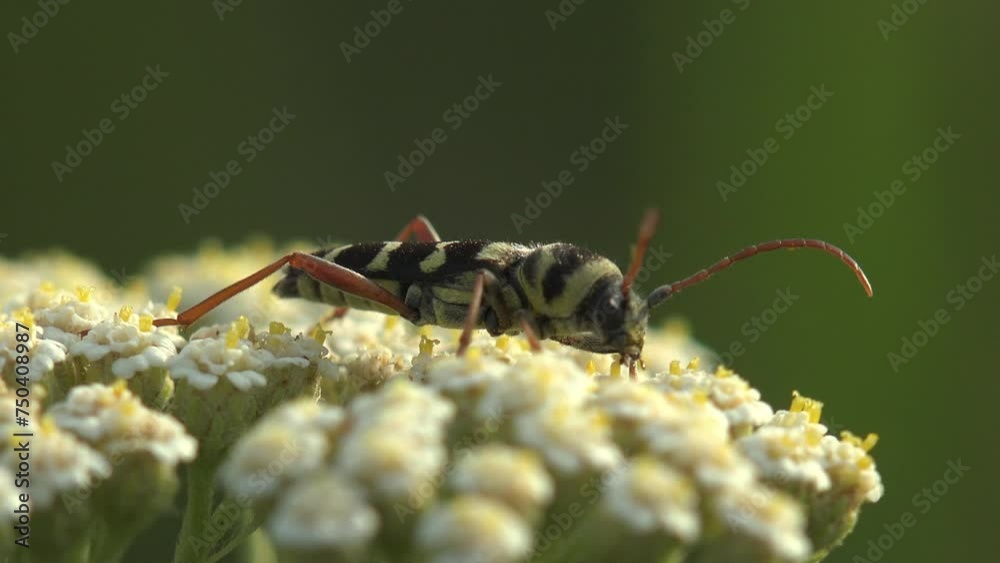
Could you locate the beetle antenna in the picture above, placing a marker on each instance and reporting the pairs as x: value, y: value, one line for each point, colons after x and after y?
x: 647, y: 228
x: 664, y: 292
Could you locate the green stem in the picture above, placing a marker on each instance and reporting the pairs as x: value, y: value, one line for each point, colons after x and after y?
x: 241, y: 529
x: 258, y: 549
x: 111, y: 542
x: 197, y: 513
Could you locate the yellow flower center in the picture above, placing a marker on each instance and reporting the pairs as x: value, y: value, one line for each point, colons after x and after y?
x: 812, y: 407
x: 867, y: 444
x: 427, y: 345
x: 502, y: 342
x: 27, y: 318
x: 318, y: 334
x: 84, y: 293
x: 239, y: 330
x: 175, y: 299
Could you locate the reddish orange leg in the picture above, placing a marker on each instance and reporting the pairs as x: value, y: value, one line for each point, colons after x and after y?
x: 473, y: 316
x: 421, y: 229
x: 528, y: 328
x: 633, y: 373
x: 317, y: 268
x: 336, y: 313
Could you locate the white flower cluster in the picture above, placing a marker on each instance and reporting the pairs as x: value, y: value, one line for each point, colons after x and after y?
x: 81, y: 441
x: 729, y: 392
x: 44, y: 354
x: 114, y: 421
x: 288, y: 443
x: 61, y: 464
x: 396, y: 443
x: 472, y: 458
x: 66, y: 326
x: 411, y: 452
x: 122, y: 339
x: 240, y: 357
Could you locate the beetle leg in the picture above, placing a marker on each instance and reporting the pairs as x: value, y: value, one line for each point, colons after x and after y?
x: 475, y: 304
x: 317, y: 268
x: 485, y: 288
x: 336, y: 313
x: 530, y: 330
x: 421, y: 229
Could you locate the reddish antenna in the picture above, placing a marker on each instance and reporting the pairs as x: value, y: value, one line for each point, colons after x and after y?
x: 647, y: 228
x: 662, y: 293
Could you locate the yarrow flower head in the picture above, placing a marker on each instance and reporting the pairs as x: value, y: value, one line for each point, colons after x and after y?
x: 128, y: 347
x: 475, y: 457
x: 116, y: 422
x: 324, y: 516
x: 228, y: 377
x: 473, y: 529
x: 651, y: 496
x: 363, y: 437
x: 729, y: 392
x: 44, y: 354
x: 129, y: 341
x: 288, y: 443
x: 143, y: 446
x: 513, y: 476
x: 61, y: 464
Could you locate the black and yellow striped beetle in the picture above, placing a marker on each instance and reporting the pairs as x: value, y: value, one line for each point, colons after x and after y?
x: 552, y: 291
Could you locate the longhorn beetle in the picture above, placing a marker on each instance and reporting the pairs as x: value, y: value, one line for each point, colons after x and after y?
x: 555, y: 291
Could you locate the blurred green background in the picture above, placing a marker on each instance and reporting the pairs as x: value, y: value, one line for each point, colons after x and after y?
x: 322, y: 177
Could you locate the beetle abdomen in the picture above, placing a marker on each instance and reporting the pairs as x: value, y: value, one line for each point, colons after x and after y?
x: 396, y: 266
